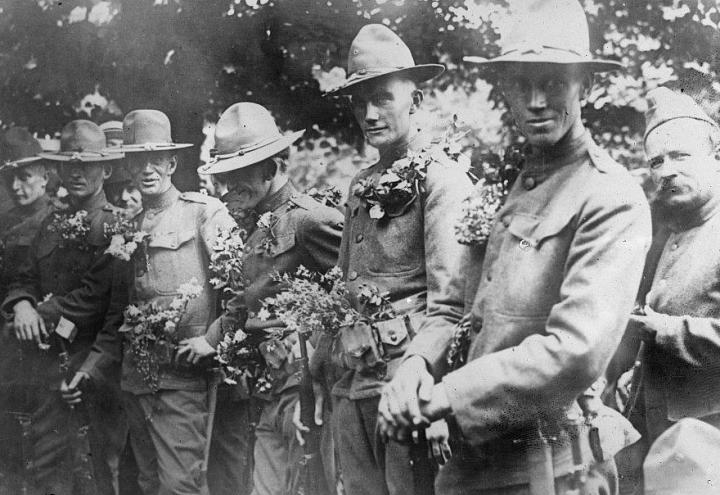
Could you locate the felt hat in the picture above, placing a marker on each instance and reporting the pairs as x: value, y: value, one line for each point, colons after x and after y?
x: 377, y: 51
x: 665, y: 105
x: 547, y: 31
x: 82, y: 141
x: 684, y: 460
x: 17, y: 148
x: 148, y: 130
x: 245, y: 134
x: 113, y: 130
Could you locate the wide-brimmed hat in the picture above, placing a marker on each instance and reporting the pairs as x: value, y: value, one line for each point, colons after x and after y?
x: 665, y: 105
x: 82, y: 141
x: 548, y: 32
x: 377, y: 51
x: 18, y: 148
x: 148, y: 130
x: 245, y: 134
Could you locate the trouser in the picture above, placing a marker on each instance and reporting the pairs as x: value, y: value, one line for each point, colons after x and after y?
x: 369, y: 466
x: 168, y: 433
x: 48, y: 450
x: 277, y: 451
x: 230, y: 463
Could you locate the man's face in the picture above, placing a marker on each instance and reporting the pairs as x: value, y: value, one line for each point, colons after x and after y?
x: 247, y: 186
x: 131, y: 200
x: 151, y: 171
x: 28, y: 184
x: 544, y: 99
x: 206, y: 184
x: 383, y: 107
x: 82, y: 179
x: 683, y: 164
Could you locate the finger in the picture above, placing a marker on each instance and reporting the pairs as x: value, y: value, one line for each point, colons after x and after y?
x: 426, y: 387
x: 446, y: 451
x: 76, y: 381
x: 436, y: 452
x: 299, y: 437
x: 383, y: 410
x: 319, y: 403
x: 35, y: 329
x: 41, y: 325
x: 395, y: 411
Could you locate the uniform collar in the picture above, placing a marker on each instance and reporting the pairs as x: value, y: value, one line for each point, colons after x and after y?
x: 162, y: 200
x: 275, y: 200
x: 418, y: 141
x: 539, y: 163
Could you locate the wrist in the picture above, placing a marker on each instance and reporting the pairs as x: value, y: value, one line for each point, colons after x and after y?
x: 439, y: 405
x: 22, y: 304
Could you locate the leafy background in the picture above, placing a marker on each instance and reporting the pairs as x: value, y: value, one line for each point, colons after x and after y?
x: 98, y: 59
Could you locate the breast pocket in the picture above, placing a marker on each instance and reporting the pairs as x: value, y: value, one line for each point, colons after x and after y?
x: 393, y: 246
x: 173, y: 260
x: 530, y: 268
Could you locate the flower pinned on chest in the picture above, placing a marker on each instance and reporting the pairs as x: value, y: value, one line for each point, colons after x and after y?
x: 125, y: 238
x: 265, y: 223
x: 226, y: 260
x: 73, y: 228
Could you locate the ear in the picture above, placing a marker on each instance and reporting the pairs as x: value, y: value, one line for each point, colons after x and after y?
x: 417, y: 99
x: 107, y: 170
x: 173, y: 165
x: 587, y: 85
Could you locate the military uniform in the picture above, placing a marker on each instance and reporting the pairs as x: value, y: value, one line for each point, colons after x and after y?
x: 168, y: 428
x: 56, y: 267
x: 559, y: 278
x: 411, y: 256
x: 308, y: 234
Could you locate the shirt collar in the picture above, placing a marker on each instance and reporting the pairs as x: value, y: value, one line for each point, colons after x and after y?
x: 276, y: 199
x: 539, y: 163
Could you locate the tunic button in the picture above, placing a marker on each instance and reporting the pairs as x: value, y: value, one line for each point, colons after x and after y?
x: 506, y: 222
x: 150, y: 215
x: 489, y: 277
x: 359, y: 238
x: 529, y: 183
x: 352, y: 275
x: 674, y: 246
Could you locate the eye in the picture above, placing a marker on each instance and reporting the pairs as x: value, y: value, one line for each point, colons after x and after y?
x: 655, y: 163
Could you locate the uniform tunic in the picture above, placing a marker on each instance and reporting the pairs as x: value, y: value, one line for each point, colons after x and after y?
x: 411, y: 256
x: 681, y: 378
x: 561, y: 270
x: 308, y: 234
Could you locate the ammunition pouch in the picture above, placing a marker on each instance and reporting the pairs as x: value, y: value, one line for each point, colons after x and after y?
x: 368, y: 345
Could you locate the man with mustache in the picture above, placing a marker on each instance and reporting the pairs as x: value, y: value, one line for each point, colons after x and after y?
x: 402, y: 245
x: 681, y: 319
x: 67, y: 244
x: 561, y: 269
x: 292, y: 230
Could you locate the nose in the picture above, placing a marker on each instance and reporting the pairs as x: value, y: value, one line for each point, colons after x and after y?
x: 371, y: 112
x: 75, y: 171
x: 537, y: 99
x: 16, y: 184
x: 667, y: 170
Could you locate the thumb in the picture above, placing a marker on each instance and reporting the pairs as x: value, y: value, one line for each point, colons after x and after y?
x: 426, y: 386
x: 76, y: 380
x: 319, y: 403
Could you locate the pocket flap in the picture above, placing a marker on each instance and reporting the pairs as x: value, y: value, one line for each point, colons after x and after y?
x: 534, y: 229
x: 392, y: 332
x: 170, y: 240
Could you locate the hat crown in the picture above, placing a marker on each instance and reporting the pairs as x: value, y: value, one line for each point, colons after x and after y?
x: 377, y: 48
x: 554, y: 24
x: 665, y: 105
x: 82, y: 135
x: 146, y: 127
x: 17, y: 143
x: 244, y: 126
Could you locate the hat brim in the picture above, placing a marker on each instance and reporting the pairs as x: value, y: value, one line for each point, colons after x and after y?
x: 82, y: 156
x: 252, y: 157
x: 418, y: 73
x: 148, y: 147
x: 15, y: 164
x: 546, y: 57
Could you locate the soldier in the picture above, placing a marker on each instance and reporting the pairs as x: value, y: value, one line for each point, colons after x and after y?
x: 404, y: 247
x: 251, y: 158
x: 561, y: 269
x: 65, y: 247
x: 168, y: 425
x: 26, y: 175
x: 679, y: 322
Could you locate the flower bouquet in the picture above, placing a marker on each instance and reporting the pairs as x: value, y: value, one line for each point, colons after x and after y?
x: 125, y: 238
x: 73, y: 228
x: 226, y: 260
x: 151, y: 330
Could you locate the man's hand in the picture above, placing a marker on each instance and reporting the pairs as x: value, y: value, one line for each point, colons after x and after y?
x: 300, y: 428
x: 71, y: 392
x: 438, y: 437
x: 196, y: 348
x: 647, y: 324
x: 404, y: 395
x: 29, y: 325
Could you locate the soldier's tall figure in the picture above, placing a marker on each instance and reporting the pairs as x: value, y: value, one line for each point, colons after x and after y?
x: 561, y: 269
x: 67, y: 244
x: 404, y: 246
x: 252, y: 160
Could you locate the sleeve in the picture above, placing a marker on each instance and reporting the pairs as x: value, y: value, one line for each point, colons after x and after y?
x: 86, y: 305
x: 692, y: 340
x: 319, y: 233
x: 215, y: 217
x: 26, y: 282
x: 550, y: 368
x: 106, y: 351
x: 447, y: 186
